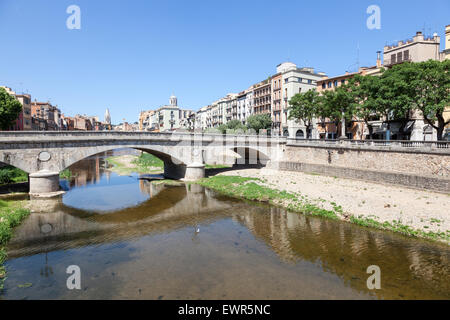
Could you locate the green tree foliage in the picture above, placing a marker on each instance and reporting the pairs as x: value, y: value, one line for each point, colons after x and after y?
x: 232, y: 126
x: 364, y: 90
x: 430, y: 90
x: 259, y: 122
x: 338, y: 105
x: 305, y: 106
x: 9, y: 109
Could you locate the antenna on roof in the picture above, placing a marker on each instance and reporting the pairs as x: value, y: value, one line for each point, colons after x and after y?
x: 357, y: 59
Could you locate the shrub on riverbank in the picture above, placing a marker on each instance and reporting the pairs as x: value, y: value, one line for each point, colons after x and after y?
x: 147, y: 160
x: 66, y: 174
x: 11, y: 174
x: 11, y: 215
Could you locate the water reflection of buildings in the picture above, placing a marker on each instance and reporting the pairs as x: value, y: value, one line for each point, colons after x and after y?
x: 88, y: 171
x: 347, y: 250
x: 410, y: 269
x: 92, y: 169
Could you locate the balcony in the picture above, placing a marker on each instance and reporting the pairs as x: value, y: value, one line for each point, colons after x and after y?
x: 393, y: 62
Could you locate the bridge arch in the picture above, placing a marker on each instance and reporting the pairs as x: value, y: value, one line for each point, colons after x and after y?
x: 158, y: 151
x: 14, y: 161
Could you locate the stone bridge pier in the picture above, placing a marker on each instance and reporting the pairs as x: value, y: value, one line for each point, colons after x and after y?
x: 43, y: 155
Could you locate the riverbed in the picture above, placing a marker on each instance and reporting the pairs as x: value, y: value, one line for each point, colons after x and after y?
x: 133, y: 239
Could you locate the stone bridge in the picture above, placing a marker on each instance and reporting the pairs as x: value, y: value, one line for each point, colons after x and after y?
x: 43, y: 155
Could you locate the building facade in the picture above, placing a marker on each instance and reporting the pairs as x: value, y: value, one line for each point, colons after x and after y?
x: 446, y: 53
x: 23, y: 122
x: 262, y: 97
x: 51, y: 114
x: 294, y: 81
x: 417, y: 49
x: 166, y: 118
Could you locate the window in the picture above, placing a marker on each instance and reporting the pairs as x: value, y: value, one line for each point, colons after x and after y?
x: 286, y: 80
x: 335, y: 83
x: 399, y: 57
x: 300, y: 79
x: 406, y: 55
x: 329, y: 84
x: 309, y: 81
x: 324, y: 85
x: 393, y: 58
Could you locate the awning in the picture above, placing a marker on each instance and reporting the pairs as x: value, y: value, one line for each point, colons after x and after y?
x: 409, y: 126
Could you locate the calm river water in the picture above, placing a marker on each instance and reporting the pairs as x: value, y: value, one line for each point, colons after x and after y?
x: 136, y: 240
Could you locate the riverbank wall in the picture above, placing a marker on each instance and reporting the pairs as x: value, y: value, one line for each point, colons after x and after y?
x: 420, y: 168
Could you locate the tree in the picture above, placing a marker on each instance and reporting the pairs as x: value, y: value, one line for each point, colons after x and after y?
x: 431, y: 92
x: 259, y: 122
x: 232, y: 126
x: 396, y: 94
x: 10, y: 109
x: 339, y: 106
x: 364, y: 90
x: 304, y: 107
x: 235, y: 125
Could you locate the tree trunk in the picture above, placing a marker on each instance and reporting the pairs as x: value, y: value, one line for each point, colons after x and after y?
x: 370, y: 127
x: 343, y: 136
x: 440, y: 127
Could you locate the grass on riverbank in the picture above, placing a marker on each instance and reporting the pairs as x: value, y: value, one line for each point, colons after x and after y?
x: 148, y: 162
x: 11, y: 215
x: 66, y: 174
x: 255, y: 190
x: 10, y: 174
x: 397, y: 226
x: 217, y: 166
x: 145, y: 163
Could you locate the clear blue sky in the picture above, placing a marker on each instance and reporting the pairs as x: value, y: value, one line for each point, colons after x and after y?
x: 132, y: 55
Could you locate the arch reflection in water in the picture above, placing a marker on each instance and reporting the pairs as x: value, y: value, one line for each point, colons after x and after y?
x: 244, y: 251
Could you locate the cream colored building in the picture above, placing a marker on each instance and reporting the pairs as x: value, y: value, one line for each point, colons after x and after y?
x: 166, y: 118
x: 417, y: 49
x: 446, y: 53
x: 296, y: 80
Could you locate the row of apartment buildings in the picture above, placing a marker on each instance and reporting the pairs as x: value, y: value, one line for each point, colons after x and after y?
x: 271, y: 96
x: 43, y: 116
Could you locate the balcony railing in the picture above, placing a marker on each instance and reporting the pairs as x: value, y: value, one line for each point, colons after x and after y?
x: 444, y: 146
x: 392, y: 62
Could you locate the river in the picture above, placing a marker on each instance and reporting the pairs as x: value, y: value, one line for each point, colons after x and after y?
x: 133, y: 239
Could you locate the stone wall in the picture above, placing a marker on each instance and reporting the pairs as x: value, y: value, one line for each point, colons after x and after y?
x: 425, y: 170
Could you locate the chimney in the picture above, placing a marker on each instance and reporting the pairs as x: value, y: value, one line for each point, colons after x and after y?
x: 378, y: 59
x: 419, y: 36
